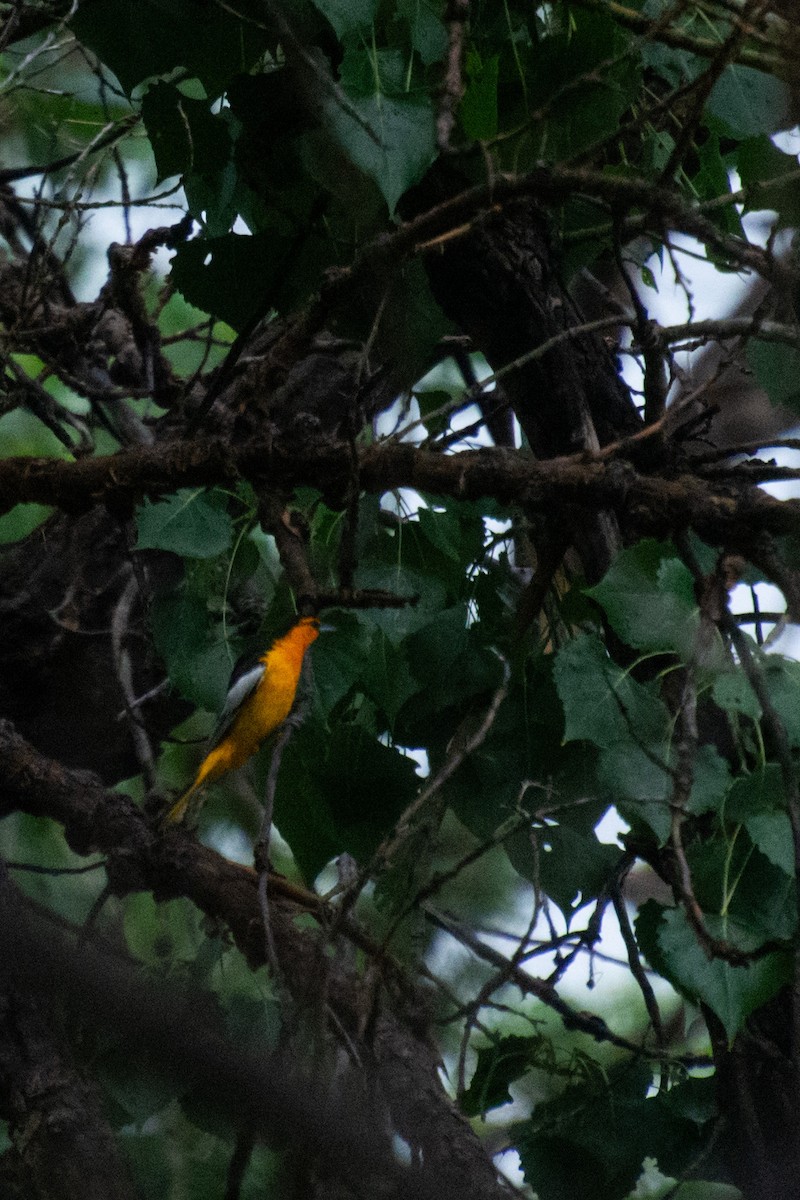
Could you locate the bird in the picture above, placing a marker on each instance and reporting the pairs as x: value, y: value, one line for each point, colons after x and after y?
x: 257, y: 704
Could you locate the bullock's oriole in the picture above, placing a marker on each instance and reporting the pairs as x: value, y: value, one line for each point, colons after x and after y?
x: 257, y: 704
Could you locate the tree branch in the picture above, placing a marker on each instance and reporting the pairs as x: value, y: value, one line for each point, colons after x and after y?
x: 449, y: 1160
x: 734, y: 513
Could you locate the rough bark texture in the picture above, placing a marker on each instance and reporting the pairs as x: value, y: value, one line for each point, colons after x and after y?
x: 59, y: 682
x: 758, y: 1103
x: 62, y: 1147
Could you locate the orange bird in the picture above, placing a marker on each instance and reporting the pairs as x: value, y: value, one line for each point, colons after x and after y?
x: 256, y: 705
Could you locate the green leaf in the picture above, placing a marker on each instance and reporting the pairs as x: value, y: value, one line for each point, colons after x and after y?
x: 414, y: 317
x: 229, y: 276
x: 139, y: 1087
x: 694, y: 1099
x: 376, y: 73
x: 749, y: 102
x: 197, y: 659
x: 498, y: 1065
x: 367, y: 786
x: 251, y: 1011
x: 593, y: 1139
x: 21, y: 520
x: 451, y: 667
x: 150, y: 37
x: 478, y: 111
x: 428, y: 32
x: 392, y: 139
x: 429, y: 404
x: 638, y: 785
x: 671, y: 946
x: 747, y: 900
x: 648, y: 596
x: 574, y: 867
x: 760, y: 791
x: 712, y: 181
x: 161, y: 934
x: 585, y: 1142
x: 213, y: 192
x: 733, y: 693
x: 190, y: 523
x: 602, y: 703
x: 783, y: 682
x: 657, y: 149
x: 762, y: 167
x: 584, y: 242
x: 443, y: 530
x: 386, y: 676
x: 712, y: 779
x: 777, y: 370
x: 693, y: 1189
x: 339, y: 658
x: 758, y: 801
x: 348, y: 16
x: 582, y: 78
x: 149, y: 1156
x: 484, y: 791
x: 203, y: 1161
x: 302, y: 813
x: 675, y: 66
x: 167, y: 127
x: 771, y: 832
x: 189, y: 140
x: 339, y: 790
x: 627, y: 721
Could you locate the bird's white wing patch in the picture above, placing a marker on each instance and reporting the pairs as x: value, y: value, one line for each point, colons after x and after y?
x: 244, y: 686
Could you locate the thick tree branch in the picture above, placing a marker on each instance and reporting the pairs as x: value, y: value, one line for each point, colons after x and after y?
x: 247, y: 1086
x: 730, y: 512
x: 640, y: 203
x: 453, y: 1162
x: 63, y: 1146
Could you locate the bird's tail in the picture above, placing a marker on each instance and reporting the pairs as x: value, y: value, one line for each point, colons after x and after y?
x: 216, y: 763
x: 177, y: 812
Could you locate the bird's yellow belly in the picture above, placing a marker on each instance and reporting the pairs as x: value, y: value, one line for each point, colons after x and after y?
x: 261, y: 714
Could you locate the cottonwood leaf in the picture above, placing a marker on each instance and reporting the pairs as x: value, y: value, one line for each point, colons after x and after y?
x: 190, y: 523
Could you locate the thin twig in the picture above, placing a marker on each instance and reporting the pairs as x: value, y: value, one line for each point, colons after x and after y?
x: 441, y: 878
x: 240, y: 1160
x: 773, y: 64
x: 389, y: 847
x: 124, y: 668
x: 635, y: 963
x: 656, y: 374
x: 587, y: 1023
x: 36, y: 869
x: 261, y: 848
x: 456, y: 17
